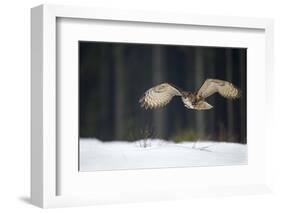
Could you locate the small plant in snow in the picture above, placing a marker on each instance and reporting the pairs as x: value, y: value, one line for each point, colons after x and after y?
x: 145, y: 143
x: 143, y: 136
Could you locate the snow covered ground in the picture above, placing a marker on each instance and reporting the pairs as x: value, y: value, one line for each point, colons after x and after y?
x: 97, y: 155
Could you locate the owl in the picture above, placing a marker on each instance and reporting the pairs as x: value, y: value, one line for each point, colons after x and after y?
x: 160, y: 95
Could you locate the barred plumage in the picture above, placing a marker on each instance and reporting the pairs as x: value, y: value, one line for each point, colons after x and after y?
x: 162, y: 94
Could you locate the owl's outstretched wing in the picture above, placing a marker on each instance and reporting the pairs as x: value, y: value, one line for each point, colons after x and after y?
x: 159, y: 96
x: 224, y: 88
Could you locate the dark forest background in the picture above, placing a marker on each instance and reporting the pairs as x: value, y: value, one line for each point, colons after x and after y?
x: 113, y: 76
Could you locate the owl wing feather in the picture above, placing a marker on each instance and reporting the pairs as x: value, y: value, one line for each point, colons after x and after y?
x: 159, y: 96
x: 224, y: 88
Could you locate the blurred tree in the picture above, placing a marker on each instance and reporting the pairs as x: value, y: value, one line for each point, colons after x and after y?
x: 243, y: 77
x: 120, y: 91
x: 199, y: 79
x: 158, y: 67
x: 229, y: 71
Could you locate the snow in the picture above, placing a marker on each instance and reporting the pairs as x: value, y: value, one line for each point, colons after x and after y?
x: 96, y: 155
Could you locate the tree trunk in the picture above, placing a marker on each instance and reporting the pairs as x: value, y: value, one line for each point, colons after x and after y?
x: 211, y: 74
x: 104, y: 94
x: 243, y: 106
x: 199, y: 75
x: 120, y: 90
x: 159, y: 115
x: 229, y: 77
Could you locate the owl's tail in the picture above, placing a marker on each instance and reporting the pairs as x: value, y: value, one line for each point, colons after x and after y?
x: 202, y: 105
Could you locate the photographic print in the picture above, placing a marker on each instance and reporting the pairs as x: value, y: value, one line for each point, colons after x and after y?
x: 147, y: 106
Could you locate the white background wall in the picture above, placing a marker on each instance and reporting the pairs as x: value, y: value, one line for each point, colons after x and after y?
x: 15, y: 104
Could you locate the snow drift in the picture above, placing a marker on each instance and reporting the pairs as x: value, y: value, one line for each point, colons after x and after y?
x: 96, y: 155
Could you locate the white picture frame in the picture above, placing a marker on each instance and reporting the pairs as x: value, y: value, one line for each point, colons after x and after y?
x: 46, y: 169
